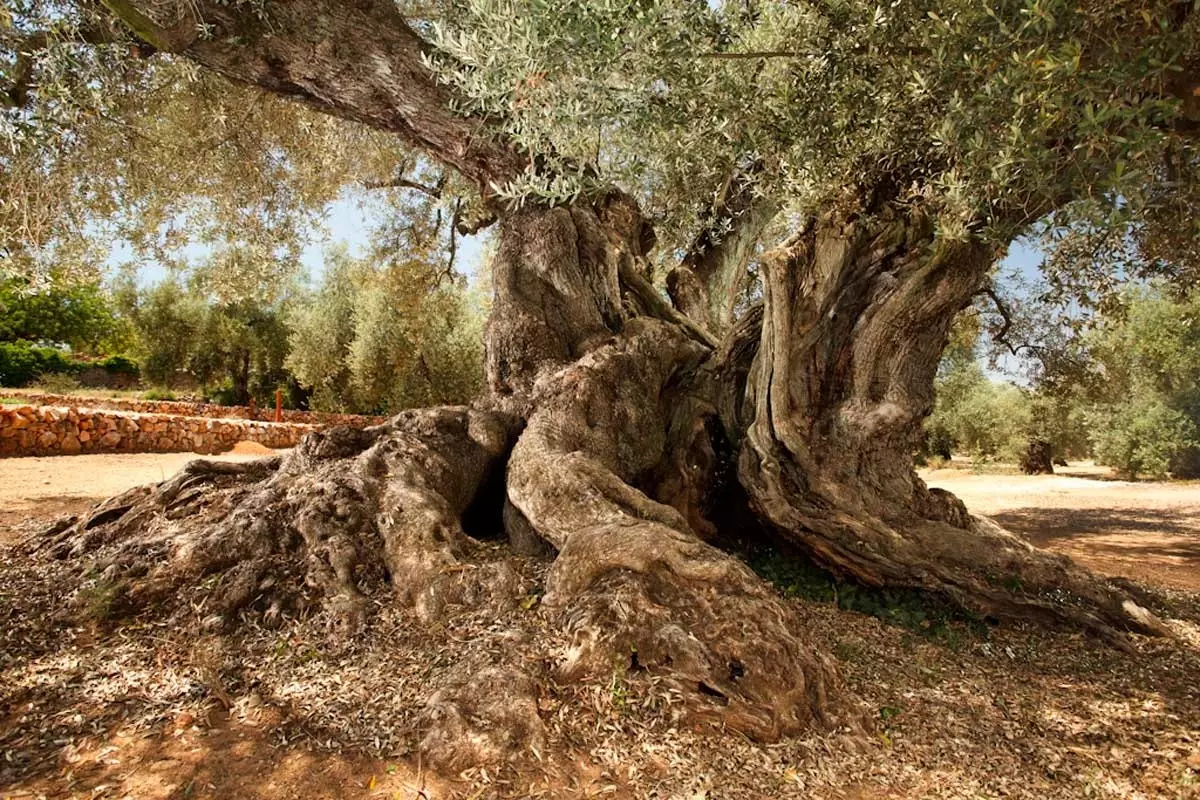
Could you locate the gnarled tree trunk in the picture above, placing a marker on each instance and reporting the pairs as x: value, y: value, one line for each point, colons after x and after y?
x: 856, y: 315
x: 612, y: 420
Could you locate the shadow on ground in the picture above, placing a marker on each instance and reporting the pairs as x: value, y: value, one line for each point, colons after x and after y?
x: 1154, y: 544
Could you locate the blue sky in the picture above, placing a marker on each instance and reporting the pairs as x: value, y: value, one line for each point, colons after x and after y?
x: 349, y: 222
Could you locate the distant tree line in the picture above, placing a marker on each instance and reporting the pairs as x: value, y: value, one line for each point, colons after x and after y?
x: 369, y: 337
x: 1122, y: 387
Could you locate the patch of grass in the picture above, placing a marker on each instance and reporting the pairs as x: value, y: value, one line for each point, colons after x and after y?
x: 158, y: 394
x: 56, y: 383
x: 103, y: 600
x: 927, y: 614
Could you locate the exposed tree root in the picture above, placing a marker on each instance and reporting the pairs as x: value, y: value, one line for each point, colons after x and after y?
x: 345, y: 514
x: 636, y: 586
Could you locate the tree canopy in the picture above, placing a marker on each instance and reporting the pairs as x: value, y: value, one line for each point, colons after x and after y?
x: 989, y: 116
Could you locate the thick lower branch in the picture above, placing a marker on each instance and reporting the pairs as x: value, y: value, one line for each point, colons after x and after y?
x: 360, y: 61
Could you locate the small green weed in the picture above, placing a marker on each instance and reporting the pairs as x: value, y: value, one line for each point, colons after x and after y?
x: 103, y: 600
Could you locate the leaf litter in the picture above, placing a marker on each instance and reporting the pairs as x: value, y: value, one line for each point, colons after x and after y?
x: 1010, y: 712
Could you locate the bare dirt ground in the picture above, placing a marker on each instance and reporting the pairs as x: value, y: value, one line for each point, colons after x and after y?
x: 953, y: 709
x: 1149, y: 531
x: 49, y: 486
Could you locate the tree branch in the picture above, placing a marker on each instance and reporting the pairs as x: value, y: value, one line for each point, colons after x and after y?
x: 708, y: 279
x: 1006, y: 317
x: 1001, y: 336
x: 753, y: 54
x: 173, y: 39
x: 359, y: 61
x: 453, y: 236
x: 404, y: 183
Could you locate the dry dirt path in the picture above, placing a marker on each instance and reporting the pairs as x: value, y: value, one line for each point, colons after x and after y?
x: 45, y: 487
x: 1149, y: 531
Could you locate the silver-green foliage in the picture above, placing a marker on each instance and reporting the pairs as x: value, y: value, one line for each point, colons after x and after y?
x: 378, y: 339
x: 995, y: 113
x: 1144, y: 378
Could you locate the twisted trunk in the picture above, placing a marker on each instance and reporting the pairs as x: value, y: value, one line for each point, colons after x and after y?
x: 856, y: 315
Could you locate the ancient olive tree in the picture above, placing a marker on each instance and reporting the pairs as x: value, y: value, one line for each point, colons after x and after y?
x: 818, y: 186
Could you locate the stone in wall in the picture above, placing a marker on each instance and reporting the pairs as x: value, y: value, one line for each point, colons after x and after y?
x: 190, y: 409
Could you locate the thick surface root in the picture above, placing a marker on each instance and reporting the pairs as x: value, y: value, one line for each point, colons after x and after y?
x: 346, y: 514
x: 932, y: 543
x: 636, y: 587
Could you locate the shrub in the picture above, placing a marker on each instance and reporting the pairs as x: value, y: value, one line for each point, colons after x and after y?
x: 57, y: 382
x: 158, y: 394
x: 22, y: 362
x: 18, y: 363
x: 1142, y: 437
x: 119, y: 364
x: 222, y: 395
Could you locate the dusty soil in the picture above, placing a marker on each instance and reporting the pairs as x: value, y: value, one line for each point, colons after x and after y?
x: 49, y: 486
x: 1149, y: 531
x: 953, y: 709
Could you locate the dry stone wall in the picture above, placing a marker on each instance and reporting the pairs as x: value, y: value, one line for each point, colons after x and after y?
x: 190, y: 409
x: 57, y: 430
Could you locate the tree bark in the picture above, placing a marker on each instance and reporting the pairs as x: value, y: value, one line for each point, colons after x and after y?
x: 856, y: 315
x: 709, y: 279
x: 1037, y: 457
x: 241, y: 377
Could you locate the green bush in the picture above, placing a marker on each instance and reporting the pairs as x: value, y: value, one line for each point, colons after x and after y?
x: 222, y: 395
x: 22, y: 363
x: 158, y: 394
x: 18, y: 363
x: 122, y: 365
x: 1142, y: 437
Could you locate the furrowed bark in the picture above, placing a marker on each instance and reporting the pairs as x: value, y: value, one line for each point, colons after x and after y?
x: 347, y: 511
x: 707, y: 282
x: 633, y: 581
x: 856, y: 315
